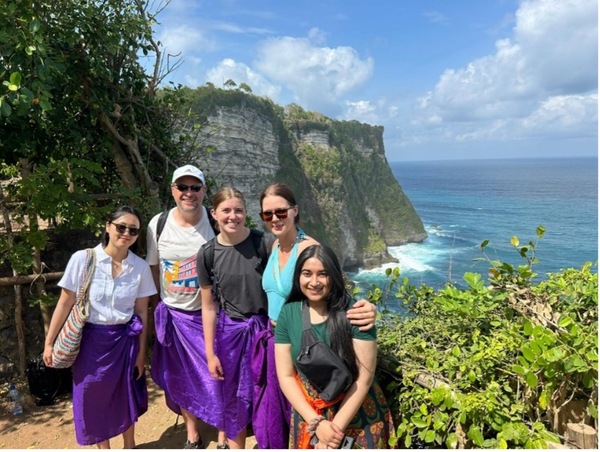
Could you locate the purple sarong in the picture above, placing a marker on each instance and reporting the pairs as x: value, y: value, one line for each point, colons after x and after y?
x: 179, y: 364
x: 106, y: 398
x: 272, y: 411
x: 233, y: 347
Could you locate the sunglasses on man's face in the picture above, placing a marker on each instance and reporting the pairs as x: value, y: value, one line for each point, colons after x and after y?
x: 183, y: 188
x: 281, y: 214
x: 121, y: 229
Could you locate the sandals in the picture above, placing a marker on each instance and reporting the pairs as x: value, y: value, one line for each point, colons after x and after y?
x: 194, y: 445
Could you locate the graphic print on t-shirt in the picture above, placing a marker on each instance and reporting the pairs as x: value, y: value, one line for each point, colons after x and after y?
x: 180, y: 276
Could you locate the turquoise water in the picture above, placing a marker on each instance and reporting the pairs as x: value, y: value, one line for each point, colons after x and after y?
x: 462, y: 203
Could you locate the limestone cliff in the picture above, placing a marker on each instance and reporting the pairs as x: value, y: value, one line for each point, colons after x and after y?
x: 347, y: 194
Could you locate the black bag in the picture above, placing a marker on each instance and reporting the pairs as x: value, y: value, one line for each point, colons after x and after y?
x: 46, y: 383
x: 320, y: 364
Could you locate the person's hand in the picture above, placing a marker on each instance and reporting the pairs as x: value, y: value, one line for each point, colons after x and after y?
x: 47, y: 355
x: 215, y: 368
x: 330, y: 436
x: 321, y: 445
x: 363, y: 315
x: 140, y: 364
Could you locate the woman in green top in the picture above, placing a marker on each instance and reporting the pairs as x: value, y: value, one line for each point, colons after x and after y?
x: 361, y: 413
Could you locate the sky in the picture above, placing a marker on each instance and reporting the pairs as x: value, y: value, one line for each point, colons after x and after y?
x: 458, y: 79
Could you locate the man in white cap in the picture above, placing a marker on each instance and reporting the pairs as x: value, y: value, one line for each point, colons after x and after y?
x: 179, y: 360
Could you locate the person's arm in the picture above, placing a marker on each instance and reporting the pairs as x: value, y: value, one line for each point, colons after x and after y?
x: 209, y: 323
x: 153, y: 299
x: 153, y: 260
x: 330, y: 434
x: 61, y: 311
x: 366, y: 356
x: 363, y: 315
x: 141, y: 309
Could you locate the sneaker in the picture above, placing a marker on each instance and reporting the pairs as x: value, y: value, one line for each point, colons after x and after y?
x: 194, y: 445
x: 222, y: 446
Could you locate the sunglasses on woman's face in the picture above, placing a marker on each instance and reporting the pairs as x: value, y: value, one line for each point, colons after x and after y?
x: 280, y: 213
x: 121, y: 228
x: 183, y: 188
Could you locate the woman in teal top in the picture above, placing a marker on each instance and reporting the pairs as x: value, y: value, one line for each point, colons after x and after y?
x: 361, y: 413
x: 277, y: 283
x: 279, y: 211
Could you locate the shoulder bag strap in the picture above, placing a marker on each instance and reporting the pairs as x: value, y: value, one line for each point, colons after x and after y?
x: 88, y: 273
x: 309, y: 337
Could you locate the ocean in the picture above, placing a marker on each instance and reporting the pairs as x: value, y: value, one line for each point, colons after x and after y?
x: 464, y: 202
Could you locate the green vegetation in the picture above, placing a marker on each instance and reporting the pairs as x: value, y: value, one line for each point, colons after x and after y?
x: 498, y: 365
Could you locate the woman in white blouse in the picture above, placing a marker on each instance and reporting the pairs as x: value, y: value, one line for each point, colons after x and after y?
x: 109, y: 381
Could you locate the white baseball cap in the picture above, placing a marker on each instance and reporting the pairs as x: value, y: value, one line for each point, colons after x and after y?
x: 188, y: 170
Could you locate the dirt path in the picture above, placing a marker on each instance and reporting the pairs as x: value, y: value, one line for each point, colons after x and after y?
x: 51, y: 427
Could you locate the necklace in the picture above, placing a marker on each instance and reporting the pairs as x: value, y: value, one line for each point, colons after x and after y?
x: 300, y: 235
x: 287, y: 248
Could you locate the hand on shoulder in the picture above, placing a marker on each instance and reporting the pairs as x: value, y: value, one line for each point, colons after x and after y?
x: 308, y: 241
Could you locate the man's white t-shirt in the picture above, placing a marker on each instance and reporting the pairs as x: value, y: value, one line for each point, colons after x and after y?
x: 176, y: 256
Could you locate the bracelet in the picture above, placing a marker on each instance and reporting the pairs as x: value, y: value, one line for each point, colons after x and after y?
x: 313, y: 424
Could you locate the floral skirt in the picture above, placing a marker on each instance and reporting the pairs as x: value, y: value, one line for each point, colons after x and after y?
x: 371, y: 427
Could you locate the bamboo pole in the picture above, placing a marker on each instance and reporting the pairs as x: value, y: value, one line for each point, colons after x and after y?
x: 27, y: 279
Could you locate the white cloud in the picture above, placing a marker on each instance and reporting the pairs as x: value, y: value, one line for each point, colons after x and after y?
x: 374, y: 113
x: 240, y: 73
x: 319, y: 77
x: 185, y: 40
x: 573, y: 115
x: 542, y: 81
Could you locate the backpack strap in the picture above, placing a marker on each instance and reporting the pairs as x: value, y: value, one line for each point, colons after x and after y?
x: 162, y: 220
x: 160, y: 225
x: 262, y: 244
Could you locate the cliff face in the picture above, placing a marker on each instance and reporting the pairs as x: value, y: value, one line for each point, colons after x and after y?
x: 347, y: 194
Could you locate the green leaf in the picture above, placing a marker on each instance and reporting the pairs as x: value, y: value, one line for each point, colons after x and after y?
x: 514, y: 241
x: 528, y: 353
x: 538, y: 426
x: 13, y: 87
x: 34, y: 26
x: 15, y: 79
x: 452, y: 441
x: 429, y: 436
x: 518, y: 369
x: 5, y: 109
x: 540, y: 231
x: 593, y: 410
x: 418, y: 421
x: 475, y: 435
x: 564, y: 321
x: 45, y: 105
x: 502, y: 444
x: 531, y: 379
x: 549, y: 436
